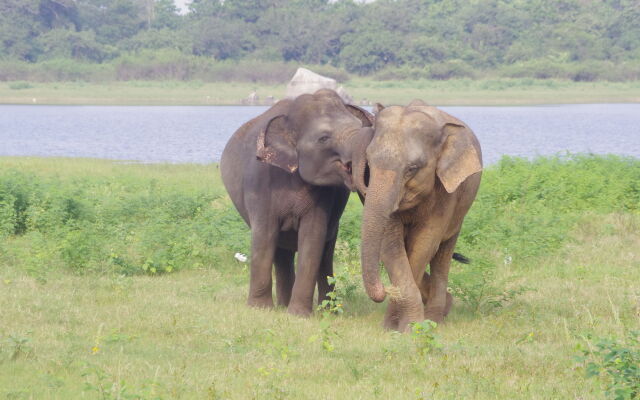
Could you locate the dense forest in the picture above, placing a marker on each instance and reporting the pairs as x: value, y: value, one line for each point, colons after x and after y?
x: 582, y: 40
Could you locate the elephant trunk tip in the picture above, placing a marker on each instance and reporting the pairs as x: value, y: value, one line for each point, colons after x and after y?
x: 376, y: 292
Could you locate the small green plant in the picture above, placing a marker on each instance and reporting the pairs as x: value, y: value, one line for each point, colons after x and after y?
x: 275, y: 346
x: 478, y: 286
x: 617, y: 362
x: 104, y: 385
x: 424, y: 337
x: 273, y: 383
x: 329, y: 334
x: 19, y: 346
x: 332, y: 305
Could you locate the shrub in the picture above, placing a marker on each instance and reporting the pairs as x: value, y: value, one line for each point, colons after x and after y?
x: 616, y: 361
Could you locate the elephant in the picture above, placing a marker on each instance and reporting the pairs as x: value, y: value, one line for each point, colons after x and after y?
x: 288, y: 173
x: 422, y: 172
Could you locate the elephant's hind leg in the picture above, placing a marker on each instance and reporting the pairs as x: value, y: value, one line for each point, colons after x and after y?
x: 285, y: 275
x: 424, y: 289
x: 439, y: 300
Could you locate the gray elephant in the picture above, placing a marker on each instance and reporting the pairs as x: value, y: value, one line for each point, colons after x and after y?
x: 288, y: 172
x: 422, y: 174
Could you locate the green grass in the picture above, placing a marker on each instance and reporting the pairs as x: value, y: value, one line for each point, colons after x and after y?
x: 119, y: 280
x: 452, y: 92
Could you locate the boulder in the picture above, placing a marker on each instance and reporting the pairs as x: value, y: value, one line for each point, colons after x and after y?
x: 252, y: 100
x: 306, y: 81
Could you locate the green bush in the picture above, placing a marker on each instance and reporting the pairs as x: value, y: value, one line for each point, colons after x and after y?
x: 139, y: 219
x: 123, y: 224
x: 616, y: 361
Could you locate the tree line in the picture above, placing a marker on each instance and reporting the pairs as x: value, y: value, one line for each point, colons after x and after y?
x: 394, y: 39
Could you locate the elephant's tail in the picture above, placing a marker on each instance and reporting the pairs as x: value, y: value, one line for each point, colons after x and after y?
x: 460, y: 258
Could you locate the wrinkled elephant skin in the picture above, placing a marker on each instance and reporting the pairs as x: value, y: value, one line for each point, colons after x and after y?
x: 288, y: 172
x: 423, y: 169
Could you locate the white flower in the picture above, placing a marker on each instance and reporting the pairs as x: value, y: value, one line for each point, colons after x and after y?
x: 241, y: 257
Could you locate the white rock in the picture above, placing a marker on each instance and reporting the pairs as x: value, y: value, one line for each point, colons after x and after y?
x: 241, y: 257
x: 306, y: 81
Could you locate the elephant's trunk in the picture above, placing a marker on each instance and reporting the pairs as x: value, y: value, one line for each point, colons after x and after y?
x: 379, y: 206
x: 359, y: 159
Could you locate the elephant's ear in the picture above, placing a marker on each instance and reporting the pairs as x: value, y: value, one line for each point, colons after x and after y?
x: 459, y: 158
x: 363, y: 115
x: 277, y: 145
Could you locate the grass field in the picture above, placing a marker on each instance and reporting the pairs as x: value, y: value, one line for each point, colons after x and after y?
x: 118, y: 281
x: 453, y: 92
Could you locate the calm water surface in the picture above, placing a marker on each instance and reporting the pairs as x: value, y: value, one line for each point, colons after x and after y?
x: 198, y: 134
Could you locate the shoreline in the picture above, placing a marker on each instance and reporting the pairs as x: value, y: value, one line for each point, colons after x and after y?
x: 464, y: 92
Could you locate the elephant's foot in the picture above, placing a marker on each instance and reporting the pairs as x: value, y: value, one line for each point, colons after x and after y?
x: 449, y: 304
x: 260, y: 302
x: 447, y: 308
x: 400, y: 317
x: 390, y: 321
x: 283, y: 299
x: 434, y: 315
x: 299, y: 310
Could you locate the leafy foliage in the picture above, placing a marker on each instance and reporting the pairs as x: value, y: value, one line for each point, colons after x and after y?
x: 138, y: 220
x: 572, y: 39
x: 122, y: 224
x: 424, y: 337
x: 618, y: 361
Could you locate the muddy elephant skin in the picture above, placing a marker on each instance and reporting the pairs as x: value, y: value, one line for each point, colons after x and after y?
x: 288, y: 172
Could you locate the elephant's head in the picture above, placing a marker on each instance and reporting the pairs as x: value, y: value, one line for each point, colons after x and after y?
x: 317, y: 136
x: 416, y: 151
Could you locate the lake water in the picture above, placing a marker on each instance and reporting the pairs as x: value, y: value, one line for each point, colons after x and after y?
x: 198, y: 134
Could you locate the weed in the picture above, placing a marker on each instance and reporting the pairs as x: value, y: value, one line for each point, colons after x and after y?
x: 104, y: 385
x: 273, y: 383
x: 20, y: 347
x: 333, y: 303
x: 424, y: 337
x: 478, y: 286
x: 274, y: 346
x: 616, y: 361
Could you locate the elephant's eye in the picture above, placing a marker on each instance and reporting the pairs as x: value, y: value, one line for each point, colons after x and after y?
x: 411, y: 169
x: 323, y: 139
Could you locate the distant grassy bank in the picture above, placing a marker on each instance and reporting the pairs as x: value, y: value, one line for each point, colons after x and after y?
x: 119, y: 281
x: 452, y: 92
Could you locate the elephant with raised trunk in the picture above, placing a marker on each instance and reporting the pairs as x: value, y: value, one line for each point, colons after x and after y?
x: 288, y: 172
x: 422, y: 172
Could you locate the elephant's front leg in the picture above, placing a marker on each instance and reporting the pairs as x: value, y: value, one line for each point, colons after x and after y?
x: 311, y: 243
x: 422, y: 245
x: 263, y: 246
x: 405, y: 301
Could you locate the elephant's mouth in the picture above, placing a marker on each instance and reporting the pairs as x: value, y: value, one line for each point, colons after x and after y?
x: 346, y: 172
x: 365, y: 178
x: 361, y: 177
